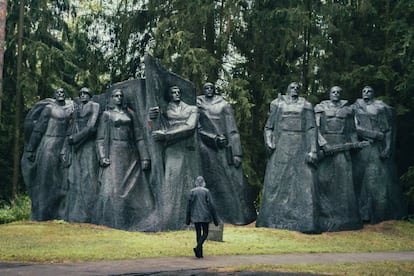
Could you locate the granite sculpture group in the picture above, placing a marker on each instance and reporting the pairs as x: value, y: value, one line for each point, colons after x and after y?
x: 128, y: 158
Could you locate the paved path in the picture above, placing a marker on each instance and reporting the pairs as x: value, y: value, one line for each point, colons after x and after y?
x: 192, y: 265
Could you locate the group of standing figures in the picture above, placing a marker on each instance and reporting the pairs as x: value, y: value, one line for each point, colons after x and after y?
x: 330, y: 167
x: 85, y: 163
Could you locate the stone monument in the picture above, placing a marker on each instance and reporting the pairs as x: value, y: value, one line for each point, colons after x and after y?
x: 45, y: 129
x: 376, y: 181
x: 289, y: 198
x: 337, y: 137
x: 221, y: 150
x: 79, y: 157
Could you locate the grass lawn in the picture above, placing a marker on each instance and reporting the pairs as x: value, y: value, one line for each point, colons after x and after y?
x: 59, y: 241
x: 349, y: 269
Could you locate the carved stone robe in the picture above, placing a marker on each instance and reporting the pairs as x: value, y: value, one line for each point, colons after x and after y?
x: 44, y: 176
x: 226, y: 182
x: 377, y: 186
x: 181, y: 163
x: 125, y: 200
x: 289, y: 193
x: 337, y: 197
x: 83, y: 164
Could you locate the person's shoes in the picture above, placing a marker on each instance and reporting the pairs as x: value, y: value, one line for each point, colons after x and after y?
x: 200, y: 252
x: 196, y: 252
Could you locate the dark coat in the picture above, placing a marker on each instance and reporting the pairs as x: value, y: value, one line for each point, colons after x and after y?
x: 200, y: 207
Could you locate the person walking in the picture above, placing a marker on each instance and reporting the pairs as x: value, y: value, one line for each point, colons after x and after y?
x: 200, y: 211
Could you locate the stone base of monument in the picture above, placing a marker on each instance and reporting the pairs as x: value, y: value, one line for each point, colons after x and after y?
x: 215, y: 233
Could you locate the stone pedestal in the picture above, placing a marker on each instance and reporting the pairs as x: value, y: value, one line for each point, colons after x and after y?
x: 215, y: 233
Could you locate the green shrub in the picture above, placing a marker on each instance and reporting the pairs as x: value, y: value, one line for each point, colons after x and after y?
x: 18, y: 209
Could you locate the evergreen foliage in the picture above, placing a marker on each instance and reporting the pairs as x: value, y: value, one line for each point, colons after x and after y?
x: 17, y: 210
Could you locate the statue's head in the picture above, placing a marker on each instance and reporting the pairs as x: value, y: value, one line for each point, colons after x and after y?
x: 117, y: 97
x: 293, y: 89
x: 60, y: 94
x: 85, y: 94
x: 174, y: 93
x: 335, y: 93
x: 368, y: 93
x: 209, y: 89
x: 200, y: 182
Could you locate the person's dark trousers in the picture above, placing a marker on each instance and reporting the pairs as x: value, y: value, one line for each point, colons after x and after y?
x: 201, y: 235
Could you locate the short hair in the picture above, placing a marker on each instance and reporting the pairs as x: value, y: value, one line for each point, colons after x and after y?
x: 167, y: 94
x: 370, y: 87
x: 85, y: 90
x: 200, y: 182
x: 209, y: 84
x: 287, y: 89
x: 60, y: 89
x: 335, y: 86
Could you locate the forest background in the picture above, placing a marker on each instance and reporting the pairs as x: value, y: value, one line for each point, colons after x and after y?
x: 251, y: 49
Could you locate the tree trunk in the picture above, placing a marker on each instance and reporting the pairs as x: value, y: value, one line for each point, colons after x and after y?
x: 210, y: 31
x: 3, y: 14
x: 306, y: 56
x: 18, y: 114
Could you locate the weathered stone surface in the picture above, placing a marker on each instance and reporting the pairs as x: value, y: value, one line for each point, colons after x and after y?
x: 376, y: 180
x: 45, y: 128
x: 337, y: 137
x: 289, y: 197
x: 221, y: 150
x: 80, y: 161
